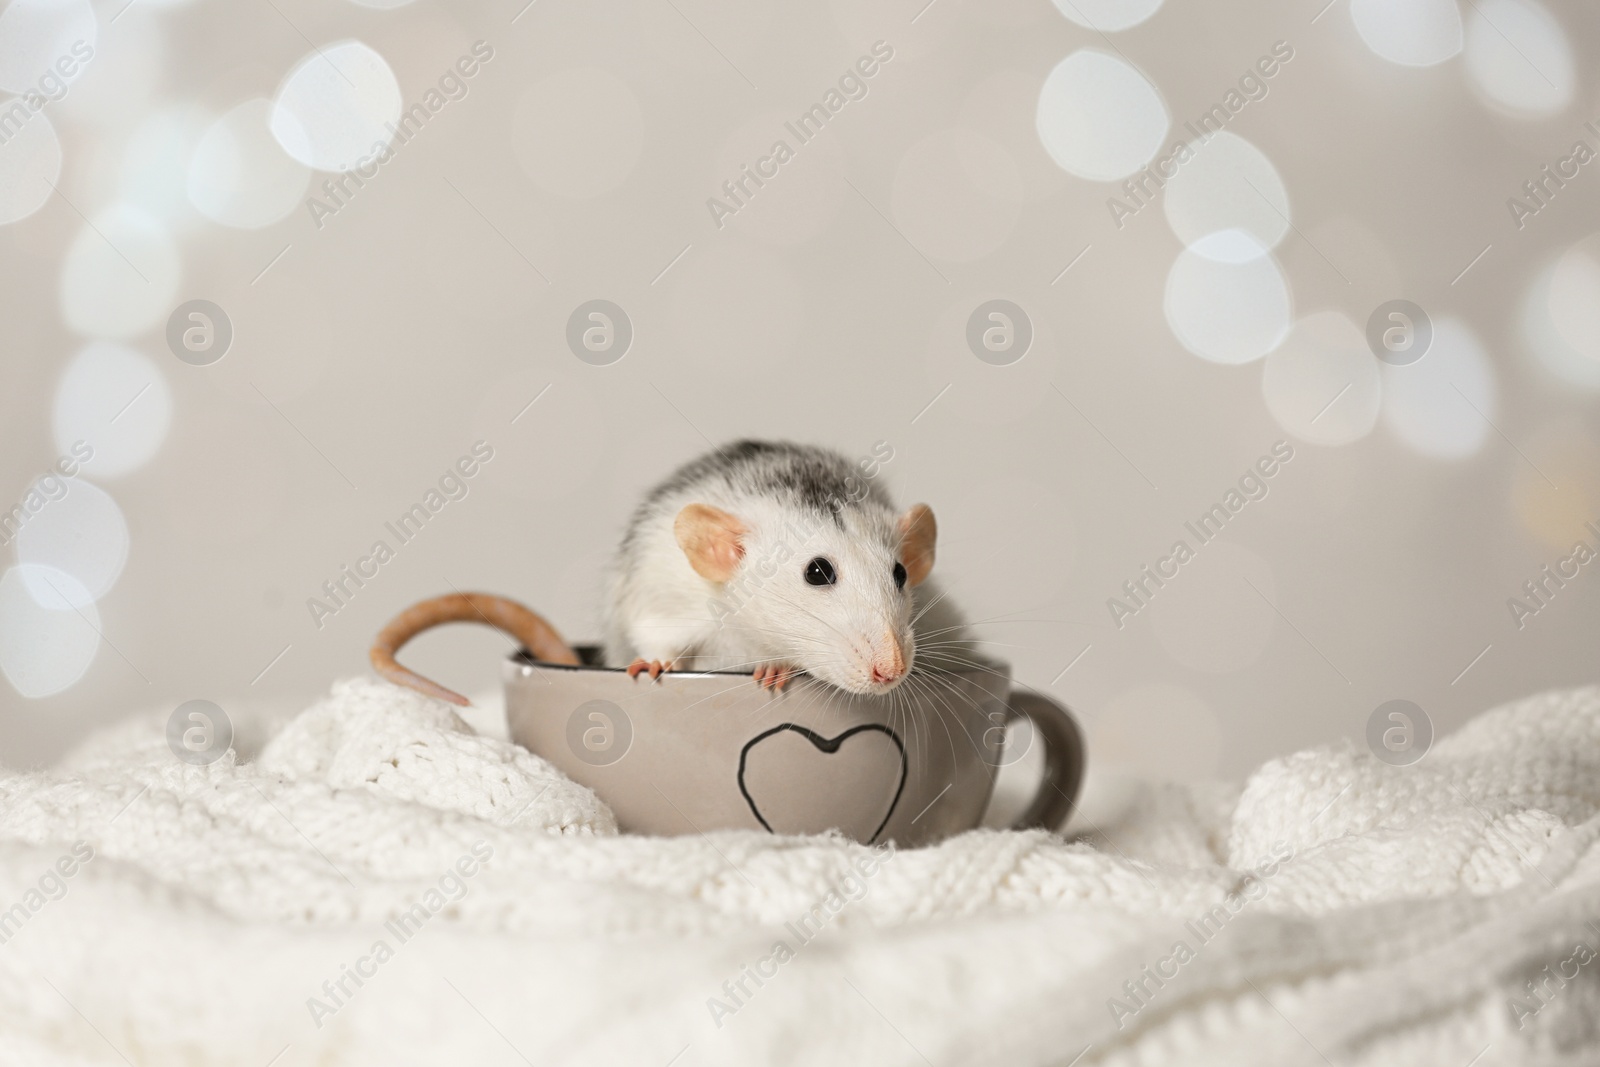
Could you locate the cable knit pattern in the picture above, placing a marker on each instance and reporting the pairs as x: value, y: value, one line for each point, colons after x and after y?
x: 226, y: 908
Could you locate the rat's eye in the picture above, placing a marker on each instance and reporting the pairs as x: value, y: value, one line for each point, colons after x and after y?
x: 820, y: 572
x: 899, y: 575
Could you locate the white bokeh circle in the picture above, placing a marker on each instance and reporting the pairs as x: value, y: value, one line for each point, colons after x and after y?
x: 154, y: 171
x: 239, y: 175
x: 1098, y: 117
x: 1229, y: 184
x: 1411, y: 33
x: 1575, y: 298
x: 45, y: 645
x: 1442, y: 406
x: 956, y: 195
x: 1519, y: 57
x: 125, y: 79
x: 1108, y: 15
x: 578, y: 133
x: 116, y: 401
x: 80, y: 532
x: 37, y: 34
x: 336, y: 107
x: 1226, y: 299
x: 1322, y: 383
x: 30, y: 167
x: 120, y: 274
x: 1560, y: 315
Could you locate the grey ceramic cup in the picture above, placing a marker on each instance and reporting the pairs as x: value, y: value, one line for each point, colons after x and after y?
x: 692, y: 752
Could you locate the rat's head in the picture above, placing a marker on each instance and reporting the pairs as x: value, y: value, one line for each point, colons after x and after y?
x: 831, y: 589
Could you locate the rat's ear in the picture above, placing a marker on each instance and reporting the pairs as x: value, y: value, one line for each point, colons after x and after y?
x: 917, y: 534
x: 711, y: 539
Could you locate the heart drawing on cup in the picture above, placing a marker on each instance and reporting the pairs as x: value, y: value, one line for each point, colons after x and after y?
x: 827, y: 785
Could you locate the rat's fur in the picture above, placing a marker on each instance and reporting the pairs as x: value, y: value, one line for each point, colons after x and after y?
x: 795, y: 502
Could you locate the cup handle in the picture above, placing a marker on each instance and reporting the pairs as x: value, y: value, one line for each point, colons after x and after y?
x: 1063, y: 759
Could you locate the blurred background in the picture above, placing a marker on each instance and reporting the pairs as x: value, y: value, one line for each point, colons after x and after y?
x: 269, y: 270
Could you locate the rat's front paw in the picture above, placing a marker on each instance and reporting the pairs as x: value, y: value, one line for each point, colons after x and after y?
x: 774, y: 676
x: 654, y: 666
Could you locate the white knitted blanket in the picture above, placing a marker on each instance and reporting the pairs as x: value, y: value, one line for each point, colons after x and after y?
x: 380, y: 885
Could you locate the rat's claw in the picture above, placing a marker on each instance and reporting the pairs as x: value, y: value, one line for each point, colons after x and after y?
x: 655, y: 667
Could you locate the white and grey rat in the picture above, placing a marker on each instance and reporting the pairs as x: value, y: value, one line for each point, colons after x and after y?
x: 774, y: 558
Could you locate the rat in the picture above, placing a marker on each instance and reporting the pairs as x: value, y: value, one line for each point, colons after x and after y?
x: 775, y: 558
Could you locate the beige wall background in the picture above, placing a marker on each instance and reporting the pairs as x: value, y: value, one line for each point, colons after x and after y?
x: 1175, y: 341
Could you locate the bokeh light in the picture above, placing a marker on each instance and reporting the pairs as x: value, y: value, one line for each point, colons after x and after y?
x: 337, y: 106
x: 82, y: 533
x: 1560, y: 322
x: 578, y: 133
x: 34, y: 34
x: 1322, y: 383
x: 1557, y: 500
x: 1108, y: 15
x: 1519, y: 57
x: 1412, y: 33
x: 116, y: 401
x: 47, y: 644
x: 1442, y: 406
x: 120, y: 275
x: 1099, y: 118
x: 154, y: 175
x: 1226, y: 299
x: 123, y: 83
x: 30, y: 166
x: 1229, y: 184
x: 1575, y: 298
x: 593, y: 155
x: 956, y: 195
x: 239, y: 175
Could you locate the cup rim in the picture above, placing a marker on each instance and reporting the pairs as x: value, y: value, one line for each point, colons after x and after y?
x: 522, y: 660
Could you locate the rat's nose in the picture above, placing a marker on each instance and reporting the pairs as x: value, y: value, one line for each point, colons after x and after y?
x: 890, y: 662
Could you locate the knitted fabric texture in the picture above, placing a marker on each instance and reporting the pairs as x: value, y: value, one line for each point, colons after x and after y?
x: 378, y: 884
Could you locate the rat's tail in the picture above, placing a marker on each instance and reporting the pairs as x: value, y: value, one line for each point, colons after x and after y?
x: 536, y: 635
